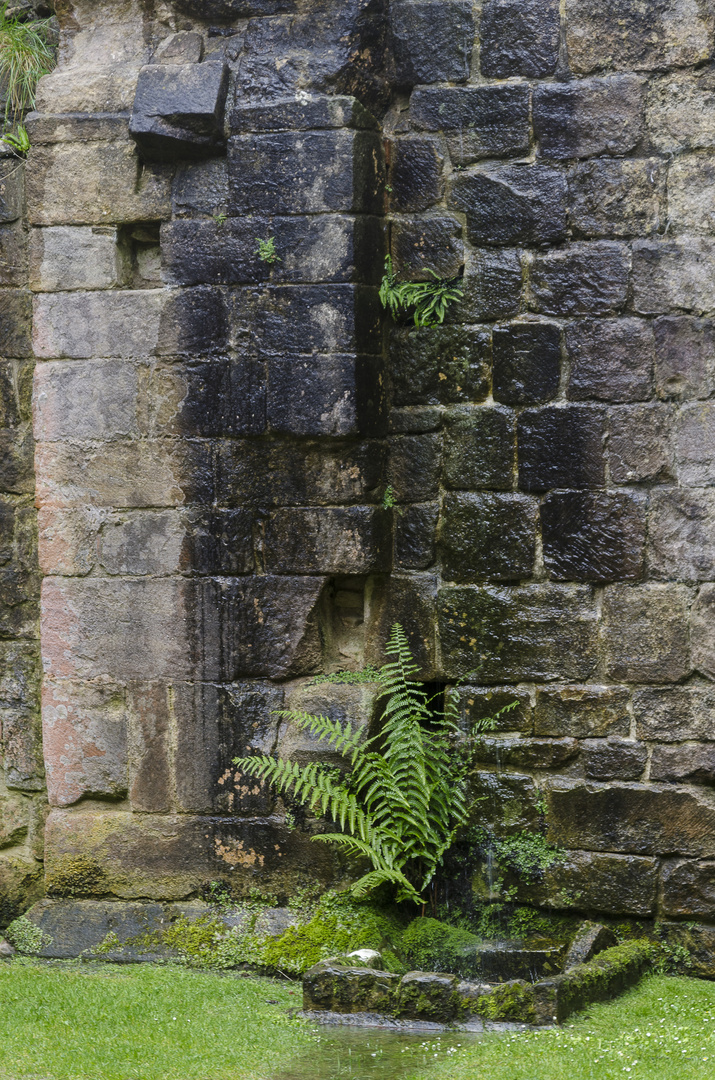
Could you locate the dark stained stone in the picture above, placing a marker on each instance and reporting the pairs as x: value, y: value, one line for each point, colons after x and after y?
x: 427, y: 995
x: 440, y: 365
x: 201, y: 187
x: 689, y: 889
x: 426, y: 246
x: 591, y: 881
x: 349, y: 540
x: 581, y: 279
x: 587, y: 117
x: 525, y: 753
x: 409, y: 599
x: 15, y: 323
x: 645, y: 633
x: 478, y: 704
x: 519, y: 37
x: 673, y: 276
x: 320, y: 112
x: 308, y: 319
x: 694, y: 447
x: 639, y: 445
x: 684, y: 354
x: 414, y: 466
x: 581, y: 711
x: 681, y: 539
x: 692, y: 763
x: 560, y: 448
x: 193, y: 322
x: 631, y: 818
x: 611, y: 359
x: 415, y: 420
x: 336, y: 986
x: 591, y: 939
x: 613, y: 759
x: 593, y: 536
x: 488, y: 536
x: 526, y: 632
x: 479, y: 449
x: 415, y: 530
x: 218, y: 397
x: 512, y: 204
x: 527, y: 362
x: 178, y: 110
x: 414, y: 175
x: 675, y: 713
x: 228, y: 10
x: 508, y: 800
x: 478, y: 121
x: 218, y: 542
x: 433, y: 40
x: 325, y: 395
x: 613, y: 198
x: 492, y: 287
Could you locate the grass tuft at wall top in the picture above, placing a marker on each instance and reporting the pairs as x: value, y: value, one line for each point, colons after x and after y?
x: 27, y: 53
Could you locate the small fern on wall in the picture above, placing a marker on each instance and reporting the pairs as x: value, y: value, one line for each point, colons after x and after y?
x: 404, y: 796
x: 426, y: 301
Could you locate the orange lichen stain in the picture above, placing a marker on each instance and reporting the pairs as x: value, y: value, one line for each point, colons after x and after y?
x: 238, y: 857
x: 222, y: 779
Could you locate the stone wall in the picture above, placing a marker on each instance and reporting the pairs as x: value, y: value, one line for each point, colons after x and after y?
x: 216, y: 434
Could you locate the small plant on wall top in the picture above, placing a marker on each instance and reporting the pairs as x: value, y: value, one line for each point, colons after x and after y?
x: 27, y: 52
x: 266, y: 250
x: 425, y: 301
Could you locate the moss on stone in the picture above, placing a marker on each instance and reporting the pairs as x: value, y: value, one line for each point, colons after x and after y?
x: 431, y: 945
x: 509, y: 1001
x: 76, y: 877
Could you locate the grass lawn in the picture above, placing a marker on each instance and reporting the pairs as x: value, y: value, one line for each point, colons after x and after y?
x: 108, y: 1022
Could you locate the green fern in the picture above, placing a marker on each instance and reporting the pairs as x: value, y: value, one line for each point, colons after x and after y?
x: 428, y: 300
x: 403, y: 797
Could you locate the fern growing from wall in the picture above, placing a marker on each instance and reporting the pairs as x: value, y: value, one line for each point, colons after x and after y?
x: 404, y: 796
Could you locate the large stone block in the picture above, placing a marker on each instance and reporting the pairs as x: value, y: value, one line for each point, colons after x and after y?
x: 674, y: 275
x: 691, y: 204
x: 17, y: 448
x: 90, y: 399
x: 680, y: 112
x: 512, y: 204
x: 440, y: 366
x: 509, y: 634
x: 703, y: 631
x: 607, y: 883
x: 314, y: 112
x: 218, y: 397
x: 645, y: 633
x: 353, y: 540
x: 415, y: 531
x: 582, y: 711
x: 681, y: 535
x: 201, y: 187
x: 631, y: 818
x: 688, y: 889
x: 593, y: 536
x: 426, y: 246
x: 178, y: 110
x: 415, y: 178
x: 84, y: 734
x: 611, y: 360
x: 83, y: 325
x: 165, y: 857
x: 694, y: 448
x: 640, y: 446
x: 95, y: 184
x: 519, y: 37
x: 14, y: 820
x: 411, y: 600
x: 693, y: 763
x: 12, y: 190
x: 508, y: 800
x: 15, y: 323
x: 478, y: 121
x: 521, y: 753
x: 478, y: 704
x: 614, y: 759
x: 492, y: 537
x: 628, y: 36
x: 560, y: 448
x: 13, y: 255
x: 617, y: 198
x: 582, y: 279
x: 583, y: 118
x: 526, y: 362
x: 433, y: 40
x: 309, y: 319
x: 64, y: 257
x: 325, y: 395
x: 21, y: 883
x: 414, y: 466
x: 492, y: 287
x: 154, y: 721
x: 684, y: 355
x: 675, y: 714
x: 479, y: 449
x: 306, y: 172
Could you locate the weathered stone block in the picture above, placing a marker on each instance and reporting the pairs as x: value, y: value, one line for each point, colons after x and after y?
x: 335, y: 986
x: 693, y: 763
x: 525, y: 753
x: 593, y: 536
x: 640, y: 444
x: 669, y: 33
x: 141, y: 542
x: 411, y: 600
x: 691, y: 205
x: 425, y: 995
x: 94, y: 184
x: 703, y: 631
x: 15, y: 392
x: 84, y: 734
x: 83, y: 325
x: 509, y: 800
x: 581, y: 711
x: 306, y: 172
x: 414, y: 176
x: 414, y: 466
x: 675, y: 714
x: 614, y: 759
x: 492, y: 287
x: 91, y: 399
x: 684, y: 353
x: 357, y: 705
x: 76, y: 257
x: 478, y: 121
x: 14, y: 820
x: 353, y: 540
x: 611, y: 360
x: 477, y: 704
x: 21, y: 882
x: 680, y: 112
x: 519, y: 37
x: 442, y: 365
x: 488, y: 536
x: 560, y: 448
x: 627, y: 817
x: 672, y: 275
x: 527, y: 362
x: 415, y: 530
x: 591, y: 939
x: 308, y: 319
x: 617, y: 198
x: 315, y: 112
x: 582, y: 279
x: 15, y: 323
x: 425, y: 246
x: 415, y: 421
x: 530, y: 632
x: 694, y: 448
x: 688, y: 889
x: 479, y: 449
x: 681, y: 535
x: 512, y: 204
x: 325, y: 395
x: 218, y: 397
x: 433, y: 40
x: 13, y: 255
x: 612, y: 884
x: 12, y: 190
x: 178, y: 110
x: 587, y: 117
x: 645, y: 633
